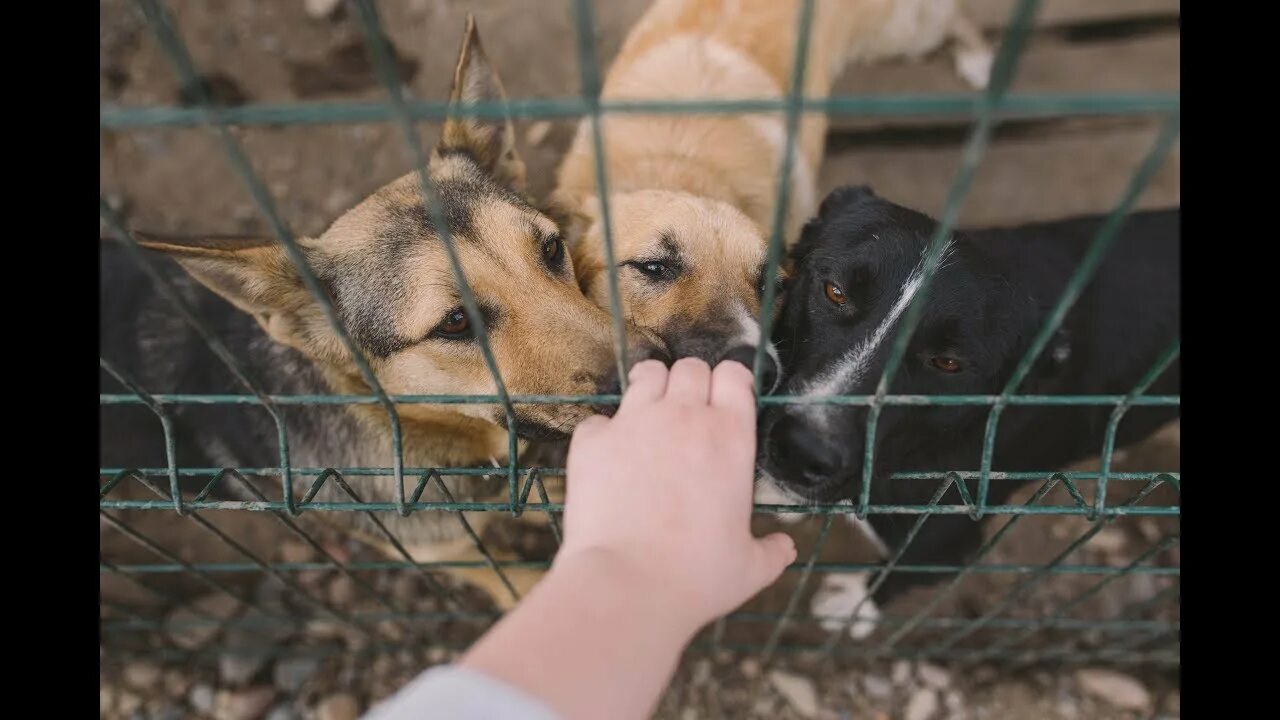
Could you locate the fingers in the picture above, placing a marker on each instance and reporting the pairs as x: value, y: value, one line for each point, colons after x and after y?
x: 733, y: 388
x: 689, y: 382
x: 773, y: 554
x: 591, y: 424
x: 648, y: 383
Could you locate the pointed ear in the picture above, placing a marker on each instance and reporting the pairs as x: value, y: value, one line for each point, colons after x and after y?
x: 844, y: 197
x: 254, y: 274
x: 491, y: 142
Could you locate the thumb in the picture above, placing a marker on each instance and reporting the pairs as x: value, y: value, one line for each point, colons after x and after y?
x: 773, y: 553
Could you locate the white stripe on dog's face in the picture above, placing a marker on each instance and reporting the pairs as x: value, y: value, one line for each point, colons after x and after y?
x: 851, y: 368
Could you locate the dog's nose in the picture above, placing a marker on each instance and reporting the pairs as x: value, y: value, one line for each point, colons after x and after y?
x: 639, y: 352
x: 746, y: 354
x: 811, y: 456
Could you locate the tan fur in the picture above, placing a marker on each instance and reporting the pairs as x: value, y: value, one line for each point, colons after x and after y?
x: 547, y: 339
x: 720, y: 171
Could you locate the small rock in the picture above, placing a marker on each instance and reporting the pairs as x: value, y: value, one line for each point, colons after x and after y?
x: 953, y: 700
x: 248, y: 704
x: 128, y: 703
x: 176, y: 684
x: 689, y: 713
x: 292, y: 673
x: 190, y: 627
x: 391, y: 631
x: 106, y: 697
x: 723, y: 657
x: 537, y: 132
x: 1109, y: 540
x: 141, y: 675
x: 798, y: 691
x: 984, y: 674
x: 701, y: 672
x: 201, y: 699
x: 750, y: 668
x: 1149, y: 528
x: 342, y: 590
x: 321, y: 9
x: 901, y: 673
x: 922, y: 706
x: 1117, y: 689
x: 1067, y: 709
x: 283, y: 712
x: 383, y: 666
x: 337, y: 707
x: 876, y: 687
x: 437, y: 655
x: 404, y: 589
x: 934, y: 676
x: 270, y: 595
x: 237, y: 667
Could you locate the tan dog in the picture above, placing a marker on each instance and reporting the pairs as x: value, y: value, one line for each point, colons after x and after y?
x: 692, y: 196
x: 386, y: 270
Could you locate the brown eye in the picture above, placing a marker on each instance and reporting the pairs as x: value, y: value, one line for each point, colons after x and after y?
x: 945, y: 364
x: 553, y: 251
x: 835, y: 294
x: 455, y: 323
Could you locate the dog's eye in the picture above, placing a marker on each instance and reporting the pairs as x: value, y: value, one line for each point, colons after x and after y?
x: 455, y: 326
x: 653, y: 269
x: 945, y: 364
x: 553, y: 251
x: 834, y: 293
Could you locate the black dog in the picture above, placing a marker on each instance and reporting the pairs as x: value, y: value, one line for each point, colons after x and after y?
x: 856, y: 266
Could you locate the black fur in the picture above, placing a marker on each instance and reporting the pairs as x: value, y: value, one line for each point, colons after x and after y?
x: 984, y: 307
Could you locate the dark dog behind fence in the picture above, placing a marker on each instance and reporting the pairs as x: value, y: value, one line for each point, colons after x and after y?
x: 1051, y: 604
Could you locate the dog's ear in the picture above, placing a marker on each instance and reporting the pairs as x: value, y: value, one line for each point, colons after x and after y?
x: 254, y: 274
x: 844, y: 197
x: 491, y: 142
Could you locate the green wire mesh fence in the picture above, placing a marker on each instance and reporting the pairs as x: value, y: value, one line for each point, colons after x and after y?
x: 1011, y: 628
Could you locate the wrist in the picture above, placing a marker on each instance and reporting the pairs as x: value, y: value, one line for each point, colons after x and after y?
x: 616, y: 581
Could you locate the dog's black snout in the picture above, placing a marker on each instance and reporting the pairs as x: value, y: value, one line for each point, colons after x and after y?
x: 649, y: 351
x: 811, y: 456
x: 746, y: 354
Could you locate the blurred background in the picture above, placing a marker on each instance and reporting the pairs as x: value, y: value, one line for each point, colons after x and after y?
x: 177, y: 180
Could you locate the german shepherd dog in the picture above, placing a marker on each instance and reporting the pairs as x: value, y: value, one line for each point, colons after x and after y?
x: 691, y: 197
x: 385, y: 269
x: 857, y: 266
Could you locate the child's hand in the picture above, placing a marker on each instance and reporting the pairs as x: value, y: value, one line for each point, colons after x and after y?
x: 660, y: 494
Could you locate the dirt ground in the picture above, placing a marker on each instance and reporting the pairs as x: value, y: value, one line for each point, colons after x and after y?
x: 176, y: 180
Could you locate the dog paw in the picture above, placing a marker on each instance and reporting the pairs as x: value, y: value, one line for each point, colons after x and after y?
x: 836, y: 599
x: 767, y: 493
x: 973, y: 65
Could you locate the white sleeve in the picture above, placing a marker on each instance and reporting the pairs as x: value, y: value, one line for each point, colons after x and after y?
x: 457, y: 693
